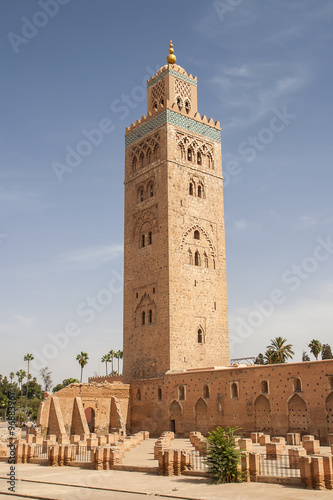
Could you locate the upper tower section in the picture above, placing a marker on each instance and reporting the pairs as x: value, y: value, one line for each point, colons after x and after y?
x: 172, y: 88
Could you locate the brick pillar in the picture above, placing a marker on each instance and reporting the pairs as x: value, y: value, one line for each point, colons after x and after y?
x: 145, y: 435
x: 168, y: 462
x: 279, y: 440
x: 161, y: 469
x: 37, y: 439
x: 69, y: 454
x: 263, y: 440
x: 330, y: 440
x: 18, y: 453
x: 254, y: 466
x: 305, y: 469
x: 245, y: 464
x: 294, y: 456
x: 185, y: 461
x: 51, y: 438
x: 31, y: 452
x: 293, y: 438
x: 245, y: 444
x: 102, y: 440
x: 92, y: 443
x: 318, y: 478
x: 307, y: 437
x: 177, y: 462
x: 61, y: 456
x: 29, y: 438
x: 255, y: 436
x: 99, y: 458
x: 25, y: 453
x: 328, y: 472
x: 63, y: 439
x: 116, y: 456
x: 106, y: 457
x: 53, y: 455
x: 312, y: 447
x: 274, y: 451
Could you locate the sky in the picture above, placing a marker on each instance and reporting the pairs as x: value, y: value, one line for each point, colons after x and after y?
x: 76, y: 70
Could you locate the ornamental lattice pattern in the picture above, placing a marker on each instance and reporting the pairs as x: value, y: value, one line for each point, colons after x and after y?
x: 158, y: 92
x: 183, y: 89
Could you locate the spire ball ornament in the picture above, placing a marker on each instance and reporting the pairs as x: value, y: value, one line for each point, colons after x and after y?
x: 171, y: 59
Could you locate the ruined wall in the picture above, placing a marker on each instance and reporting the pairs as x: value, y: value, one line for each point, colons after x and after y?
x: 64, y: 412
x: 296, y: 397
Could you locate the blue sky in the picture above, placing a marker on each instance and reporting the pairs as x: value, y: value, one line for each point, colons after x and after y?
x: 264, y: 70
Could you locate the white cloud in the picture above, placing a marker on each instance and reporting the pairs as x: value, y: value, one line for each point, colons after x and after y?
x: 242, y: 224
x: 24, y: 320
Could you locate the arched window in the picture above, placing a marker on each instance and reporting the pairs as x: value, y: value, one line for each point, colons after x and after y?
x: 206, y: 392
x: 200, y: 336
x: 156, y: 152
x: 234, y: 391
x: 150, y: 238
x: 134, y: 164
x: 159, y: 394
x: 142, y: 194
x: 191, y: 189
x: 143, y: 241
x: 187, y: 106
x: 206, y: 260
x: 148, y: 155
x: 150, y: 316
x: 179, y: 102
x: 162, y: 101
x: 199, y: 159
x: 155, y: 105
x: 297, y: 385
x: 181, y: 392
x: 196, y: 235
x: 138, y: 395
x: 190, y: 257
x: 189, y: 154
x: 199, y: 191
x: 197, y: 258
x: 210, y: 161
x: 264, y: 387
x: 151, y: 190
x: 141, y: 160
x: 143, y: 317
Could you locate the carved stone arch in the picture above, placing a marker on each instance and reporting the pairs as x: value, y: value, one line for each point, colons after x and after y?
x: 201, y: 421
x: 262, y: 414
x: 204, y: 232
x: 146, y: 216
x: 181, y: 149
x: 145, y: 305
x: 141, y: 193
x: 176, y: 417
x: 134, y: 163
x: 329, y: 413
x: 298, y: 420
x: 200, y: 334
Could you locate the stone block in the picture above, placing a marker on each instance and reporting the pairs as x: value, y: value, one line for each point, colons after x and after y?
x: 307, y: 437
x: 294, y: 456
x: 328, y: 472
x: 312, y: 447
x: 245, y: 444
x: 255, y: 436
x: 74, y: 438
x: 274, y: 451
x: 264, y: 439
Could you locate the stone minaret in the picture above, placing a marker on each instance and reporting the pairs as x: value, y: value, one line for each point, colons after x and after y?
x: 175, y: 288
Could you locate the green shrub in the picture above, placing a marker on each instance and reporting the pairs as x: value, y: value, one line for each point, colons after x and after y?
x: 223, y: 459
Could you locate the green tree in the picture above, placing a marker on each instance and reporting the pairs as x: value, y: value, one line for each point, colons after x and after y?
x: 65, y: 383
x: 260, y: 360
x: 82, y: 358
x: 119, y: 356
x: 34, y: 389
x: 315, y: 347
x: 223, y: 459
x: 11, y: 376
x: 326, y: 352
x: 28, y: 357
x: 305, y: 356
x: 20, y: 376
x: 278, y: 351
x: 106, y: 359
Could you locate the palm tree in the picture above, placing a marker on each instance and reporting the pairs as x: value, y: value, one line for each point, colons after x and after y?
x: 28, y: 357
x: 111, y: 353
x: 278, y: 351
x: 119, y: 357
x: 20, y: 376
x: 82, y: 358
x: 11, y: 376
x: 315, y: 348
x: 106, y: 359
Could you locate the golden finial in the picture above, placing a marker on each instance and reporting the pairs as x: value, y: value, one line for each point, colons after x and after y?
x: 171, y: 59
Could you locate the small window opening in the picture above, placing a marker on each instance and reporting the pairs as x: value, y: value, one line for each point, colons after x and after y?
x: 143, y: 240
x: 141, y: 195
x: 264, y: 387
x: 151, y: 190
x: 199, y: 158
x: 153, y: 290
x: 191, y: 189
x: 150, y: 316
x: 200, y: 336
x: 196, y: 235
x: 187, y: 106
x: 189, y: 154
x: 143, y: 317
x: 150, y: 238
x: 206, y: 392
x: 234, y: 391
x: 137, y: 295
x: 179, y: 103
x: 159, y: 394
x: 197, y: 259
x: 155, y: 105
x: 162, y: 101
x: 181, y: 393
x: 297, y: 385
x: 138, y: 395
x: 214, y: 306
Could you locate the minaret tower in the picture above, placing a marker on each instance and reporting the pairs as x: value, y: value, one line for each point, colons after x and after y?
x: 175, y: 289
